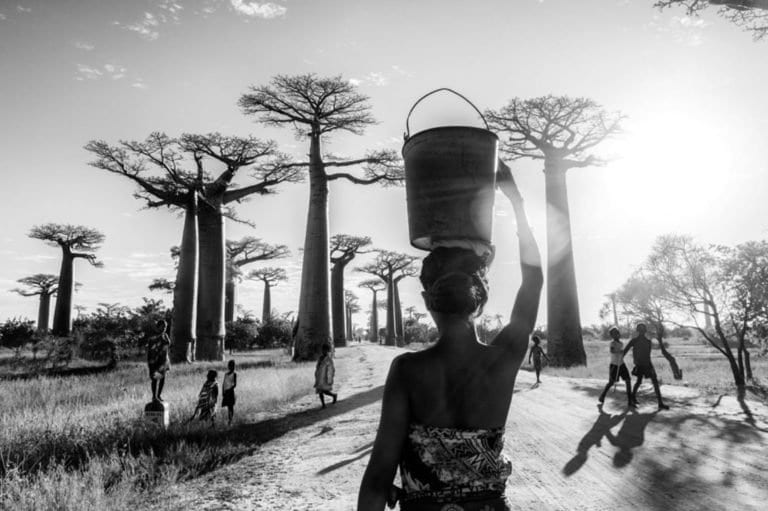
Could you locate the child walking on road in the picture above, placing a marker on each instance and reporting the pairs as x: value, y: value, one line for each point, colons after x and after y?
x: 617, y: 369
x: 228, y: 385
x: 641, y: 352
x: 537, y: 353
x: 324, y: 372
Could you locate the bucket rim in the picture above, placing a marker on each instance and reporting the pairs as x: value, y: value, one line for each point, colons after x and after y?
x: 453, y: 127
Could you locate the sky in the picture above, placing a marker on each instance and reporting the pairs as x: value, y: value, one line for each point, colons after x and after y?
x: 691, y: 159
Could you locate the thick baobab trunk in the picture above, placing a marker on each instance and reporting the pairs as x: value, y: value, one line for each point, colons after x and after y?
x: 43, y: 312
x: 565, y: 346
x: 338, y: 308
x: 391, y: 339
x: 230, y: 299
x: 373, y: 335
x: 314, y: 322
x: 398, y: 314
x: 184, y: 320
x: 62, y: 314
x: 266, y: 309
x: 210, y: 299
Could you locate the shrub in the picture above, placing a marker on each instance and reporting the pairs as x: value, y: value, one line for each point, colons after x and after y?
x: 275, y: 333
x: 241, y: 333
x: 16, y: 333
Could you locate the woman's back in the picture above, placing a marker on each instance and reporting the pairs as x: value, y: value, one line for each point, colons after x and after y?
x: 464, y: 387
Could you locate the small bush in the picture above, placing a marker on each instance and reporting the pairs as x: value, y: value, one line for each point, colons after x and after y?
x: 241, y: 334
x: 16, y: 333
x: 275, y: 333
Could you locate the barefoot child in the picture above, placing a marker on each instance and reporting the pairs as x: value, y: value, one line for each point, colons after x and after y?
x: 228, y: 385
x: 617, y: 369
x: 537, y: 353
x: 324, y: 372
x: 206, y: 400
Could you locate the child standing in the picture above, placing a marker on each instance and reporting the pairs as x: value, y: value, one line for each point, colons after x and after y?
x: 228, y: 385
x: 537, y: 353
x: 206, y: 400
x: 324, y: 372
x: 617, y: 369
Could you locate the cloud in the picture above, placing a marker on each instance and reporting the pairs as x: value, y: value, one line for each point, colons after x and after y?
x: 37, y: 258
x: 146, y: 27
x: 138, y: 83
x: 87, y: 73
x: 373, y: 78
x: 3, y: 16
x: 21, y: 8
x: 252, y: 9
x: 686, y: 30
x: 80, y: 45
x: 113, y: 71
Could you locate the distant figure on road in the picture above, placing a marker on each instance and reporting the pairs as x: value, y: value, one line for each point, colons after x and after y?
x: 324, y: 373
x: 228, y: 385
x: 641, y: 353
x: 445, y: 408
x: 157, y: 359
x: 536, y: 352
x: 206, y: 400
x: 617, y: 369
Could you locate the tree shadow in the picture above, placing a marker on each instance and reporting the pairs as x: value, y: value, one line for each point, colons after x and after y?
x: 361, y: 452
x: 601, y: 428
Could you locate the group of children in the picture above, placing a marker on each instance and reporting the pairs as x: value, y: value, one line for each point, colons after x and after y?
x: 641, y: 353
x: 159, y: 363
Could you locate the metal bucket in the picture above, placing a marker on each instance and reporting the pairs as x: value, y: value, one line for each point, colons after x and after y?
x: 450, y: 177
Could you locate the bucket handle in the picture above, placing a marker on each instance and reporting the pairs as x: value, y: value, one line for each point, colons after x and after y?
x: 407, y: 133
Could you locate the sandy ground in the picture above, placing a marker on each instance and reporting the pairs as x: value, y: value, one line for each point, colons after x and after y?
x: 706, y: 453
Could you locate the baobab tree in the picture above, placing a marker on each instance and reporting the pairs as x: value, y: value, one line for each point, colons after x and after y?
x: 270, y: 277
x: 374, y: 285
x: 386, y: 267
x: 750, y: 15
x: 75, y: 242
x: 186, y: 181
x: 561, y: 132
x: 407, y: 271
x: 317, y: 107
x: 344, y: 248
x: 43, y: 285
x: 241, y: 253
x: 351, y: 306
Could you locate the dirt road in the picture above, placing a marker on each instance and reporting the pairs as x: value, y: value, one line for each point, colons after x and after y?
x: 706, y: 453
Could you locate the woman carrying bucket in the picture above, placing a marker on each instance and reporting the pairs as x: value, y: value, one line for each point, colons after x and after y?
x: 444, y: 409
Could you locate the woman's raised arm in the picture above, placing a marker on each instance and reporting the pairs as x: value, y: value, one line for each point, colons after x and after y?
x: 523, y: 318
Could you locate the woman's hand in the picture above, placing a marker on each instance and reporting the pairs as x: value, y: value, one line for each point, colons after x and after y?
x: 506, y: 182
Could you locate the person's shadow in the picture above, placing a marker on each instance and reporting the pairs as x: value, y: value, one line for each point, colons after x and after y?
x: 630, y: 436
x: 601, y: 428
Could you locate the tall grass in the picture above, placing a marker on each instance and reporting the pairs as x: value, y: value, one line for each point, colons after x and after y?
x: 81, y: 443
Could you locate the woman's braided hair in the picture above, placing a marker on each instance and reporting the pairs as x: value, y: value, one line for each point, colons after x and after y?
x: 454, y: 280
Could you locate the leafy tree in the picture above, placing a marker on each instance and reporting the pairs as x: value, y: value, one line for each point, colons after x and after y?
x: 241, y: 253
x: 241, y: 334
x: 315, y: 108
x: 43, y: 285
x: 390, y: 267
x: 270, y: 277
x: 163, y: 285
x: 729, y: 284
x: 561, y: 132
x: 750, y: 15
x: 75, y: 242
x: 344, y: 248
x: 374, y: 285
